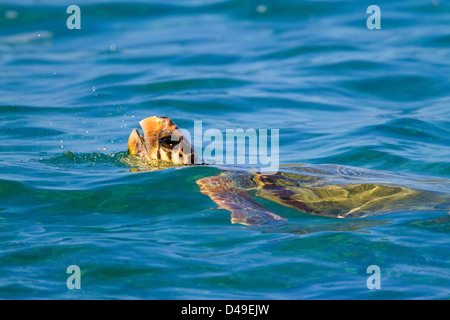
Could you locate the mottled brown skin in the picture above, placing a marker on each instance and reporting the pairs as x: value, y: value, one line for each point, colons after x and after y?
x: 328, y: 190
x: 229, y: 196
x: 161, y: 140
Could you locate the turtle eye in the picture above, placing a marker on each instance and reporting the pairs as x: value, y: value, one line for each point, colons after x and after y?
x: 167, y: 142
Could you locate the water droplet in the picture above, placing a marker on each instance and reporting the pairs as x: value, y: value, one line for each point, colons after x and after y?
x: 261, y: 8
x: 10, y: 14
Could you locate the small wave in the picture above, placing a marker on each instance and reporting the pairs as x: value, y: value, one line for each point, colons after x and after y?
x: 70, y: 160
x: 28, y: 37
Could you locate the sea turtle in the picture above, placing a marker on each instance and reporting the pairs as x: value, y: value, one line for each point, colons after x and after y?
x: 325, y: 190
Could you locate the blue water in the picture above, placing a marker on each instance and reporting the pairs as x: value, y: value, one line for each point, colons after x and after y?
x: 339, y: 93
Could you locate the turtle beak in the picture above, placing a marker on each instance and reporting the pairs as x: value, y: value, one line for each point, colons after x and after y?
x: 136, y: 144
x: 153, y: 145
x: 143, y: 145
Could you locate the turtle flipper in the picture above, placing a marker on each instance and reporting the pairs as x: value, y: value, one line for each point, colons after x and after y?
x: 244, y: 209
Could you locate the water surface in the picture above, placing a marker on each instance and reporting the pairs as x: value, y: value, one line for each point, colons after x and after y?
x: 338, y: 92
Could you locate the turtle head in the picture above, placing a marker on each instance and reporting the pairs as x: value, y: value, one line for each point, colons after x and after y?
x: 161, y: 140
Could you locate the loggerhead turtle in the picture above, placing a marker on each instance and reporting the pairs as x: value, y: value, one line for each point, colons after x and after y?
x: 325, y: 190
